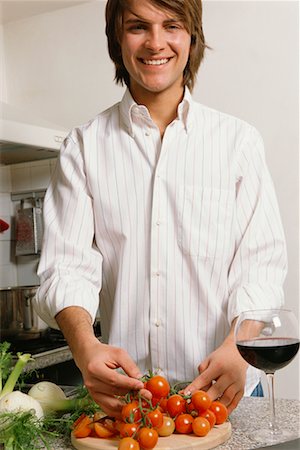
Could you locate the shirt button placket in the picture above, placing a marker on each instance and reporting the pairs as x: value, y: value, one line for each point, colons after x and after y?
x: 156, y: 271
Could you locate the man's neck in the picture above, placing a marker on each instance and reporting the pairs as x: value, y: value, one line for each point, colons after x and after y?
x: 162, y: 106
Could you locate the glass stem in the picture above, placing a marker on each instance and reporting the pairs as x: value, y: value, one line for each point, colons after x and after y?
x: 270, y: 378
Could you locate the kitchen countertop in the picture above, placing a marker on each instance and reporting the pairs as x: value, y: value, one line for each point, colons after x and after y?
x: 49, y: 358
x: 251, y: 414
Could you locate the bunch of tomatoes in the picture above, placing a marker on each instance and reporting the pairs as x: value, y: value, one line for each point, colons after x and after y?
x: 144, y: 421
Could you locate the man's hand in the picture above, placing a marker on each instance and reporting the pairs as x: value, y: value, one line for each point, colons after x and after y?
x: 98, y: 362
x: 223, y: 375
x: 105, y: 383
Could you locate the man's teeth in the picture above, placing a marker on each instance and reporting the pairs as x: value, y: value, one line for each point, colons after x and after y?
x: 155, y: 62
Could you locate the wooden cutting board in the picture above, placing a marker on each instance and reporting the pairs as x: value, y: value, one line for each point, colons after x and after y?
x: 218, y: 435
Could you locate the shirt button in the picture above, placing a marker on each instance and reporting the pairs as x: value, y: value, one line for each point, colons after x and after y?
x: 158, y: 223
x: 147, y: 134
x: 158, y: 323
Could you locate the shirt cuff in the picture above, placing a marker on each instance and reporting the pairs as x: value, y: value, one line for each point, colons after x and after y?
x: 53, y: 297
x: 254, y: 296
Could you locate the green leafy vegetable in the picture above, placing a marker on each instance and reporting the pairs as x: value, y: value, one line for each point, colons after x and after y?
x: 15, y: 373
x: 21, y: 430
x: 5, y: 362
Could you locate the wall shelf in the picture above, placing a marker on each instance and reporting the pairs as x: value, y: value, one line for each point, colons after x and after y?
x: 26, y: 195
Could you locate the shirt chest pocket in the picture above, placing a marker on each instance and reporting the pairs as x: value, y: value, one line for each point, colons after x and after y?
x: 204, y: 221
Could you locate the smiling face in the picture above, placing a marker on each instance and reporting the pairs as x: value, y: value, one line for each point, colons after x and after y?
x: 155, y: 49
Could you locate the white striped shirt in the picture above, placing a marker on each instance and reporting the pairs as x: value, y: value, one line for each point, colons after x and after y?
x: 179, y: 235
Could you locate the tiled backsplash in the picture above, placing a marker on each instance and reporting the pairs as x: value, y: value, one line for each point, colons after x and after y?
x: 19, y: 271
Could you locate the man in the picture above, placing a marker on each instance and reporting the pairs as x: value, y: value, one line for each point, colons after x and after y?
x: 167, y: 209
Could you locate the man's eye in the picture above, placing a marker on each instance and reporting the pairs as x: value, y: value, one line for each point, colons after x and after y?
x: 174, y: 26
x: 137, y: 27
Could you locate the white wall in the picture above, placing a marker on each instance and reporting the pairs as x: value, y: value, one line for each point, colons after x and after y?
x: 66, y: 74
x: 3, y: 90
x: 58, y: 68
x: 252, y: 72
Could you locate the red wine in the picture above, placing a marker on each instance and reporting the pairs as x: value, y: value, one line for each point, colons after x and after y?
x: 268, y: 354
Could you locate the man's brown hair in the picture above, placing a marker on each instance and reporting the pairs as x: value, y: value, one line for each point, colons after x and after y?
x: 188, y: 11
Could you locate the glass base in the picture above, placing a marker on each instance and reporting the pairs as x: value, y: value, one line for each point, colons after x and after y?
x: 266, y: 436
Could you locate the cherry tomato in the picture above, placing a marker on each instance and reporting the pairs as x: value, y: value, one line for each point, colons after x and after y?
x: 158, y: 386
x: 220, y: 411
x: 209, y: 415
x: 128, y: 443
x: 79, y: 419
x: 131, y: 412
x: 118, y: 423
x: 83, y: 427
x: 183, y: 423
x: 155, y: 401
x: 110, y: 424
x: 163, y: 404
x: 147, y: 438
x: 200, y: 426
x: 128, y: 429
x: 176, y: 404
x: 190, y: 408
x: 167, y: 428
x: 201, y: 400
x: 155, y: 418
x: 101, y: 431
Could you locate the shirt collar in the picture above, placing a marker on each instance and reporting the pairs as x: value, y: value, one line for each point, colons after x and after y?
x: 128, y: 108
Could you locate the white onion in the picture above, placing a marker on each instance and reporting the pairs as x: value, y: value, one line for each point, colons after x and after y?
x: 48, y: 394
x: 18, y: 401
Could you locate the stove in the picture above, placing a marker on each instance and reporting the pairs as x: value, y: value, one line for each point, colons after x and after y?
x: 49, y: 339
x: 44, y: 341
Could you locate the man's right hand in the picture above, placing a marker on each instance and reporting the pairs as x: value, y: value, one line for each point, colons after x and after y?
x: 104, y: 382
x: 98, y: 362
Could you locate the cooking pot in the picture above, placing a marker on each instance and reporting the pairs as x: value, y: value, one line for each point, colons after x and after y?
x: 18, y: 319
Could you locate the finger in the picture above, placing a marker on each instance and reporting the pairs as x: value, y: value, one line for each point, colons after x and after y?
x: 229, y: 394
x: 218, y: 389
x: 112, y: 383
x: 125, y: 382
x: 204, y: 365
x: 203, y: 380
x: 146, y: 394
x: 129, y: 366
x: 235, y: 401
x: 110, y: 405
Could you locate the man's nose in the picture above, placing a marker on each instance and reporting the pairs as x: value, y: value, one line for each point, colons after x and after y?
x: 155, y: 40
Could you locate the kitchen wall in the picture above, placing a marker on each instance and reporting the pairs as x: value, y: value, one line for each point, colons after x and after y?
x: 62, y: 57
x: 23, y: 177
x: 57, y: 67
x: 8, y: 268
x: 3, y: 86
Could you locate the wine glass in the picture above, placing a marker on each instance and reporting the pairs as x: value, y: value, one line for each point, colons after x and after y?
x: 268, y: 339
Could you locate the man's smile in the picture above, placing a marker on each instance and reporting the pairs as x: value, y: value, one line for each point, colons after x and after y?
x: 155, y: 62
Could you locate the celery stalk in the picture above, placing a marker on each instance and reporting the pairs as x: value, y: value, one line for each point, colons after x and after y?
x: 16, y: 372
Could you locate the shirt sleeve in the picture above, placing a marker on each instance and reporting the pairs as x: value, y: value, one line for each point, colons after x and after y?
x: 259, y: 266
x: 70, y: 264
